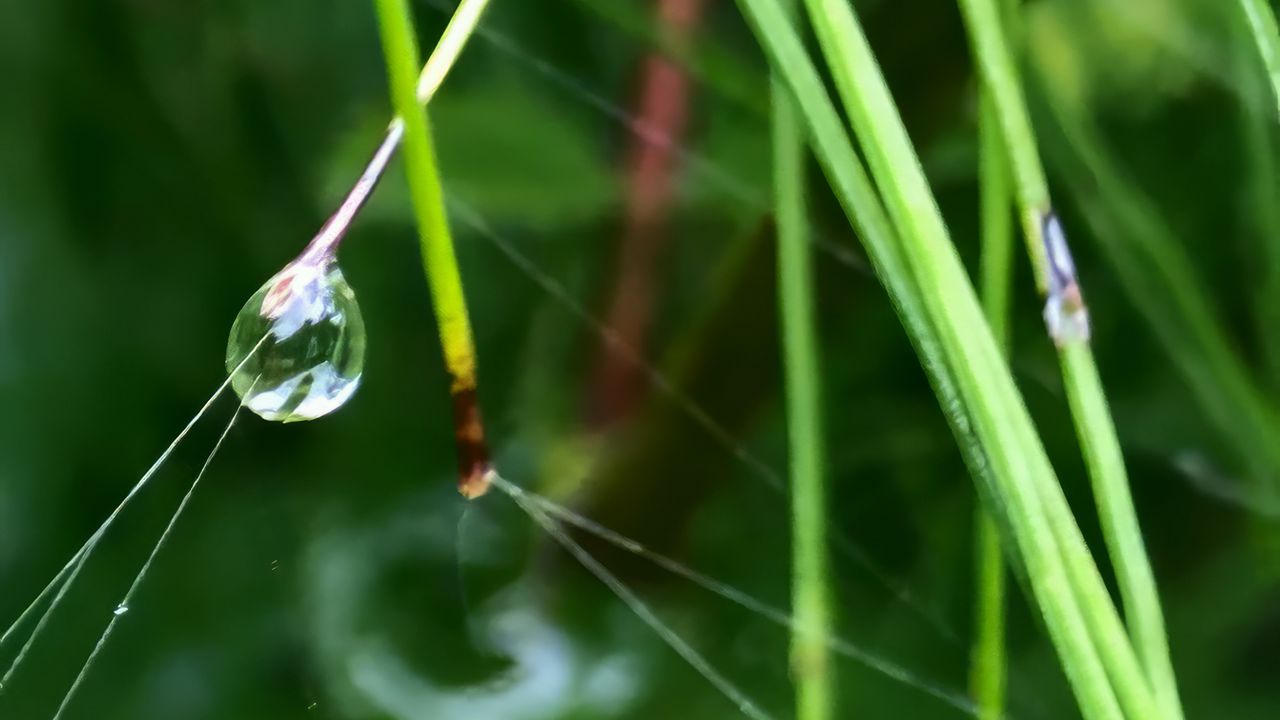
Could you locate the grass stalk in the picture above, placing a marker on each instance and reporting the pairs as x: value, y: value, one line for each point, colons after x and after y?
x: 989, y: 664
x: 1123, y: 538
x: 810, y: 594
x: 1256, y: 129
x: 995, y: 269
x: 937, y: 304
x: 1095, y: 429
x: 1266, y: 35
x: 440, y: 264
x: 455, y: 37
x: 1257, y: 120
x: 1000, y: 81
x: 985, y: 379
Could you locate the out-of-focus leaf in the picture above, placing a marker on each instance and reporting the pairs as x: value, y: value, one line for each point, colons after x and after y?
x: 510, y: 153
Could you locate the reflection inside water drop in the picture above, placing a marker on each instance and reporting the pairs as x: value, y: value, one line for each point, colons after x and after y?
x: 312, y: 344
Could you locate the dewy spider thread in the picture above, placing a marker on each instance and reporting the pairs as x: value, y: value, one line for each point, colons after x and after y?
x: 546, y: 513
x: 66, y: 577
x: 123, y: 606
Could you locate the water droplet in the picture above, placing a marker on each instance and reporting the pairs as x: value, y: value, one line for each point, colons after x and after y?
x: 312, y: 344
x: 120, y: 609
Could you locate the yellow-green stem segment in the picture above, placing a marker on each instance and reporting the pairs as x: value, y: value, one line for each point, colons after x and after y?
x: 811, y: 665
x: 1095, y: 429
x: 401, y: 50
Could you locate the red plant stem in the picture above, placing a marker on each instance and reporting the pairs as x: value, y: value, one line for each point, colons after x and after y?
x: 662, y: 115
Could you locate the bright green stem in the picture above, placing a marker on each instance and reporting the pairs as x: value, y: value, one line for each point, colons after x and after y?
x: 1095, y: 429
x: 995, y: 269
x: 1262, y: 23
x: 439, y: 262
x: 810, y: 587
x: 1115, y: 508
x: 988, y: 667
x: 984, y: 374
x: 988, y: 670
x: 937, y: 304
x: 1000, y: 80
x: 441, y: 266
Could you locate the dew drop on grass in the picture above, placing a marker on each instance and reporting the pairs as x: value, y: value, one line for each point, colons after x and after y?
x: 312, y: 343
x: 120, y: 609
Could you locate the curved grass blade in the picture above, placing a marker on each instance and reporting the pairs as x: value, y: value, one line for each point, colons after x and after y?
x: 1266, y: 35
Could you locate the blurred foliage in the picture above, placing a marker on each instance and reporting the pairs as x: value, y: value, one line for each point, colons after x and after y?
x: 158, y: 160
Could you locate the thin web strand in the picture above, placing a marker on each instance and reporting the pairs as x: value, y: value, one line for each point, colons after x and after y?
x: 773, y: 614
x: 659, y: 381
x: 66, y: 577
x: 40, y: 598
x: 743, y: 192
x: 633, y: 602
x: 123, y: 607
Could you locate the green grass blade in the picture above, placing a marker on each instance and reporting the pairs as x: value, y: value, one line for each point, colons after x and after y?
x: 811, y: 665
x: 1001, y: 83
x: 1257, y: 123
x: 975, y: 389
x: 1095, y: 429
x: 995, y: 268
x: 985, y: 381
x: 1266, y: 35
x: 456, y: 34
x: 989, y: 669
x: 989, y: 666
x: 1119, y: 524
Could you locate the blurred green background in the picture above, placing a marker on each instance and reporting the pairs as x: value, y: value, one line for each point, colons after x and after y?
x: 160, y: 160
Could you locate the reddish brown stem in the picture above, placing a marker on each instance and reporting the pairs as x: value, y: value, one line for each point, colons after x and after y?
x: 325, y: 243
x: 662, y: 114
